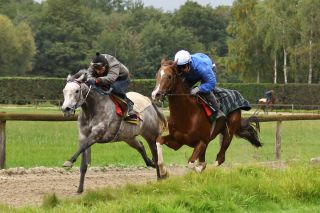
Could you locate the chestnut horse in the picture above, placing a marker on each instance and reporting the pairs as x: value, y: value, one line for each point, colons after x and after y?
x: 189, y: 125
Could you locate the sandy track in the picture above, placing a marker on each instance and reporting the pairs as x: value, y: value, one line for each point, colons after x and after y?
x: 27, y: 187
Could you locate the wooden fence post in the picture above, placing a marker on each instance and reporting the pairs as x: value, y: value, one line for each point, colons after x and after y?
x: 278, y: 140
x: 2, y: 144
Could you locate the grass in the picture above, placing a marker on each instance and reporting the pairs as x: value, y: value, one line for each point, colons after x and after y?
x: 230, y: 189
x: 31, y: 144
x: 236, y: 189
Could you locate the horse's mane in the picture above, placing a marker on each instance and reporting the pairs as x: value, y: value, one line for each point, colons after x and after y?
x: 167, y: 62
x: 78, y: 74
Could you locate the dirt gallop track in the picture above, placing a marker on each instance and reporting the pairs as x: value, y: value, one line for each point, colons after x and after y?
x: 27, y: 187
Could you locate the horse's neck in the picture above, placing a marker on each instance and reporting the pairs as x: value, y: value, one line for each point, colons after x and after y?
x: 94, y: 102
x: 180, y: 87
x: 180, y: 100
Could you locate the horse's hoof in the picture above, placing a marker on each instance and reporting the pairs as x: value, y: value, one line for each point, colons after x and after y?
x: 150, y: 164
x: 191, y: 165
x: 216, y: 163
x: 67, y: 164
x: 80, y: 191
x: 164, y: 175
x: 201, y: 167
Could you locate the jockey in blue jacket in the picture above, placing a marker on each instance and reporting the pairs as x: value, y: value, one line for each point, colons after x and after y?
x: 199, y: 67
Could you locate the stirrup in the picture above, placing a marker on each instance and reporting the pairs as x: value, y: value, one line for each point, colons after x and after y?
x: 131, y: 117
x: 214, y: 116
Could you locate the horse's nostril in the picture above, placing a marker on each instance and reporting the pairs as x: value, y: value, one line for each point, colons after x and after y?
x: 68, y: 109
x: 157, y: 95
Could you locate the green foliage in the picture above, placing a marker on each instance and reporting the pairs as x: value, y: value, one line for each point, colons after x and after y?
x: 239, y: 189
x: 206, y: 24
x: 65, y: 37
x: 68, y: 33
x: 17, y: 48
x: 252, y: 41
x: 274, y: 41
x: 50, y: 201
x: 27, y: 90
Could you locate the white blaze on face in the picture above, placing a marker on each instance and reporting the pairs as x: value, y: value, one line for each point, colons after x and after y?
x: 156, y: 90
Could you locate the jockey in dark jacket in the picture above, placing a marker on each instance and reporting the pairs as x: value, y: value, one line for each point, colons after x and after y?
x: 199, y: 67
x: 106, y: 71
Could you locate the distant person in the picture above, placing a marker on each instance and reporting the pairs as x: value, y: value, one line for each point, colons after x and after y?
x: 105, y: 71
x: 268, y: 95
x: 199, y: 67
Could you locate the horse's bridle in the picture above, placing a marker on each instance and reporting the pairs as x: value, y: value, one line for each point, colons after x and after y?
x: 175, y: 76
x: 173, y: 82
x: 81, y: 98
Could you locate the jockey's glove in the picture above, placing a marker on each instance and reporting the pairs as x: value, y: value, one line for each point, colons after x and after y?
x: 195, y: 90
x: 91, y: 81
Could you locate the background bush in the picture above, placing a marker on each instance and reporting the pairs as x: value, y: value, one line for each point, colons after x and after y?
x: 27, y: 90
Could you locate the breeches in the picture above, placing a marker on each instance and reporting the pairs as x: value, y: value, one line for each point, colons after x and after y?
x: 119, y: 88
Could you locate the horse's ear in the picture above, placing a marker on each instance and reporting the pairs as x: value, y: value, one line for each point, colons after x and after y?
x: 162, y: 61
x: 69, y: 77
x: 82, y: 78
x: 175, y: 63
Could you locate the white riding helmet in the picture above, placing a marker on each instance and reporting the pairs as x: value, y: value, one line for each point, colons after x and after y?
x: 182, y: 57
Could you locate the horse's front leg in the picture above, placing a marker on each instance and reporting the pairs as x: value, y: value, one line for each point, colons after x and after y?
x: 199, y: 151
x: 83, y: 169
x: 170, y: 142
x: 83, y: 145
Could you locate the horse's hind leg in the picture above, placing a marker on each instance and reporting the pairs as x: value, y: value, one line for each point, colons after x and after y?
x: 224, y: 144
x: 153, y: 147
x: 135, y: 143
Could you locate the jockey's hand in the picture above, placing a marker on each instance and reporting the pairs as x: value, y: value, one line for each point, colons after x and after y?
x: 194, y: 91
x: 91, y: 81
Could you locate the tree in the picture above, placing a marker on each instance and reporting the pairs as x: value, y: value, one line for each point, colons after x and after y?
x: 207, y: 24
x: 308, y: 14
x: 17, y: 48
x: 246, y: 56
x: 65, y: 35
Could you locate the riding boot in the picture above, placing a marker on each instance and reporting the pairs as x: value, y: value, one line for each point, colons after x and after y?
x: 131, y: 114
x: 213, y: 104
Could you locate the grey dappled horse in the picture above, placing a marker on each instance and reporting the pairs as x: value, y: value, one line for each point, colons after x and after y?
x: 99, y: 123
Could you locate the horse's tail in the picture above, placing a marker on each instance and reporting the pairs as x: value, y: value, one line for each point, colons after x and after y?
x: 249, y: 130
x: 161, y: 117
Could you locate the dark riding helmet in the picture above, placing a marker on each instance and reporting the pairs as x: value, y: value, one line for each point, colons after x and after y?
x: 99, y: 61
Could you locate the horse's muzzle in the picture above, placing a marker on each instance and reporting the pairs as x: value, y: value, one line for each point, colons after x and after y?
x: 67, y: 111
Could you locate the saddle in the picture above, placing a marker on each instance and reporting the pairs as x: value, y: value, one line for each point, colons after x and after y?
x: 121, y: 105
x: 122, y: 108
x: 209, y: 111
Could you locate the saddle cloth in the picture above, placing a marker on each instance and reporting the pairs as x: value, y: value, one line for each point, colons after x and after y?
x: 230, y: 100
x: 141, y: 102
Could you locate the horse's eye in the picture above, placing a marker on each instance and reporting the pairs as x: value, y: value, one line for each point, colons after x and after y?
x: 77, y: 91
x: 169, y: 77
